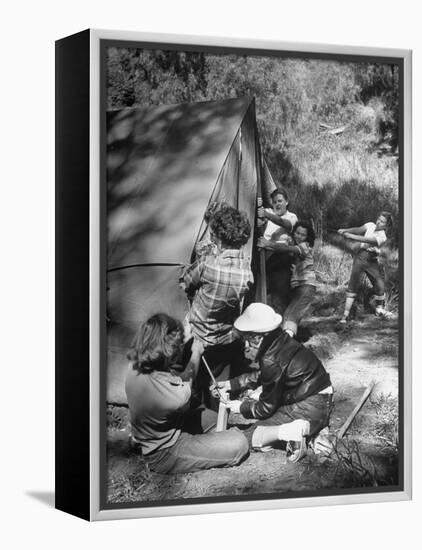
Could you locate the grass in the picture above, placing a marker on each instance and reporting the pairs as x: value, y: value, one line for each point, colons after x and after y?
x: 392, y: 300
x: 117, y: 417
x: 125, y: 485
x: 352, y: 467
x: 387, y: 421
x: 332, y: 265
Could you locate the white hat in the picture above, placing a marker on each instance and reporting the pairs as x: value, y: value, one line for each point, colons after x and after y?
x: 258, y: 317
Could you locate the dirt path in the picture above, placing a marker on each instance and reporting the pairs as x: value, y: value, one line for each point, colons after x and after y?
x: 365, y: 350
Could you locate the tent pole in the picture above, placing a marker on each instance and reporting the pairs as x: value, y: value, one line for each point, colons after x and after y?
x: 262, y: 287
x: 261, y: 290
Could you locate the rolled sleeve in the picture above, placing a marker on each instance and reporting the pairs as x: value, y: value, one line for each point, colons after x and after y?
x: 245, y: 381
x: 303, y: 249
x: 192, y: 276
x: 290, y: 217
x: 380, y: 237
x: 259, y: 410
x: 246, y: 408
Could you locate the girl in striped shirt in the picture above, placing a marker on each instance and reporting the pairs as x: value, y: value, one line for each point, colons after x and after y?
x: 303, y: 280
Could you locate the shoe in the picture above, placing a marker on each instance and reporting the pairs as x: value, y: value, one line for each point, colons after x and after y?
x: 296, y: 450
x: 265, y: 449
x: 296, y: 440
x: 343, y: 320
x: 322, y: 444
x: 383, y: 313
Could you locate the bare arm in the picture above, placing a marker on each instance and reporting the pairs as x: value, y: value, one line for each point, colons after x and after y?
x: 278, y: 220
x: 353, y: 230
x: 191, y: 278
x: 277, y: 247
x: 361, y: 238
x: 191, y: 370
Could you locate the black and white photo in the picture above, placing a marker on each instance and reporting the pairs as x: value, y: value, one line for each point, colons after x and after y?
x: 307, y: 149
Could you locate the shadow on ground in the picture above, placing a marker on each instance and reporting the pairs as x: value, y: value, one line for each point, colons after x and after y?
x: 45, y: 497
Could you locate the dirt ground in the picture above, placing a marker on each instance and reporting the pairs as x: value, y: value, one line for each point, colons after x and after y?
x: 365, y: 350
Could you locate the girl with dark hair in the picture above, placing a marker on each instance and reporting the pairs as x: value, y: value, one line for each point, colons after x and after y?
x: 279, y: 225
x: 173, y: 437
x: 303, y: 280
x: 216, y: 284
x: 371, y: 236
x: 205, y: 246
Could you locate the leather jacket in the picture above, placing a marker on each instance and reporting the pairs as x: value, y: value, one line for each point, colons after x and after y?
x: 289, y: 373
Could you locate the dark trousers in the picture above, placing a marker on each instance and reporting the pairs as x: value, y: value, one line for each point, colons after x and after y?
x: 300, y: 302
x: 278, y: 269
x: 225, y: 361
x: 365, y: 262
x: 316, y: 409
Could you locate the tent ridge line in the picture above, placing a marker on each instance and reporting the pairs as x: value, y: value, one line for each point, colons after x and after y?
x: 147, y: 264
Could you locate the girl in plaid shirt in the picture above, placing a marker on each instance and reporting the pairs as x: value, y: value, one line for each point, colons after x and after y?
x: 217, y: 284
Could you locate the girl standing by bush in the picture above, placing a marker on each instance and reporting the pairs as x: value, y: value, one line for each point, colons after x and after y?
x: 371, y: 236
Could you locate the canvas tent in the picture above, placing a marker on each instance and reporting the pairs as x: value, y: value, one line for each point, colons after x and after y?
x: 165, y: 165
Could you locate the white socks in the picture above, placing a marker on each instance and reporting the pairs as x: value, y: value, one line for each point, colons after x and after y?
x: 293, y: 431
x: 265, y: 436
x: 348, y: 306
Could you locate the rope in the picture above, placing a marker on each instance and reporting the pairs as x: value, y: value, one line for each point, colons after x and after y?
x: 158, y: 264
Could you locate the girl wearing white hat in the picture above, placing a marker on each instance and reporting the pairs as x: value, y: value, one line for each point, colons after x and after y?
x: 296, y: 398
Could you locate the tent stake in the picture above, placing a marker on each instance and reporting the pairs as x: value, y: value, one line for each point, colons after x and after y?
x: 355, y: 411
x: 223, y: 414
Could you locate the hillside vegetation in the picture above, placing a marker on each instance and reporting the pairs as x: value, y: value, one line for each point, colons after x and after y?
x: 329, y: 129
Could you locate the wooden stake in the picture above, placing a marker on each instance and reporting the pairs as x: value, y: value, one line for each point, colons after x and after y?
x: 223, y: 414
x: 355, y: 411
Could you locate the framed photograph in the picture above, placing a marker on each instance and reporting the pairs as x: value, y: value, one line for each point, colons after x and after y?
x: 233, y: 275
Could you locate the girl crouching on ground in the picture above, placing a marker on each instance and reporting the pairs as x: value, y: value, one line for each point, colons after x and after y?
x: 303, y: 280
x: 371, y: 236
x: 173, y: 437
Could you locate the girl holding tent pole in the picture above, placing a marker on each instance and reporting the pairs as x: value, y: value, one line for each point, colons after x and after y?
x: 280, y: 222
x: 216, y: 284
x: 303, y: 279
